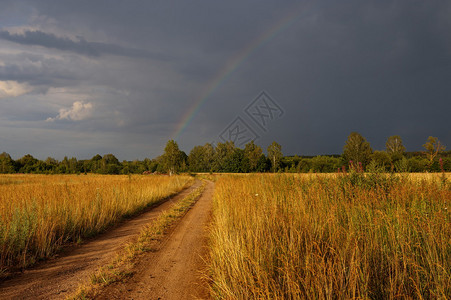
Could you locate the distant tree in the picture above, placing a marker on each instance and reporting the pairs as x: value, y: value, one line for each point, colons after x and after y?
x: 222, y: 156
x: 418, y: 164
x: 137, y: 167
x: 395, y: 148
x: 159, y: 165
x: 357, y: 149
x: 155, y: 164
x: 233, y: 162
x: 208, y: 157
x: 126, y: 169
x: 93, y: 165
x: 305, y: 165
x: 245, y: 166
x: 27, y: 164
x: 51, y: 164
x: 201, y: 158
x: 110, y: 164
x: 172, y: 157
x: 394, y: 145
x: 110, y: 159
x: 96, y: 157
x: 325, y: 164
x: 263, y: 164
x: 432, y: 147
x: 289, y: 163
x: 252, y: 154
x: 183, y: 162
x: 5, y: 155
x: 6, y: 163
x: 195, y: 159
x: 275, y: 155
x: 74, y: 166
x: 382, y: 158
x: 51, y: 161
x: 147, y: 164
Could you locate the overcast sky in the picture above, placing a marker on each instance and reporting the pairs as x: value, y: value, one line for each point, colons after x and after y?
x: 79, y: 78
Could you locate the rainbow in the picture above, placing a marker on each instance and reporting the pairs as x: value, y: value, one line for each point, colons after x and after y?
x: 232, y: 64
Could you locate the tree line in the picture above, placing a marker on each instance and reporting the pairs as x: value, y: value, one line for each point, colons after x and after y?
x: 226, y: 157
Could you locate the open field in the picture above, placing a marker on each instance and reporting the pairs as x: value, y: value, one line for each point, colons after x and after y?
x: 40, y: 213
x: 272, y: 236
x: 331, y: 236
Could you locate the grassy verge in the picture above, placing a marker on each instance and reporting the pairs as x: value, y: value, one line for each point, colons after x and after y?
x: 370, y: 236
x: 122, y: 266
x: 39, y: 213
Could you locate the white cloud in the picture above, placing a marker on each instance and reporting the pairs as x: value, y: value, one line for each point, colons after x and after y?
x: 79, y: 111
x: 13, y: 89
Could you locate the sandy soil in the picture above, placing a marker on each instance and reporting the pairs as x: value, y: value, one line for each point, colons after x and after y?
x: 175, y: 270
x: 61, y: 276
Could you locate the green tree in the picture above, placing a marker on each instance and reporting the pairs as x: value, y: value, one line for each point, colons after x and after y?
x: 6, y: 163
x: 201, y: 158
x: 154, y: 165
x: 196, y: 158
x: 208, y: 157
x: 74, y: 166
x: 183, y: 162
x: 305, y: 165
x: 110, y: 164
x: 357, y: 149
x: 275, y: 155
x: 381, y: 158
x: 223, y: 152
x: 418, y: 164
x: 395, y: 149
x: 172, y: 157
x: 433, y: 147
x: 27, y: 164
x: 94, y: 164
x: 137, y: 167
x: 263, y: 164
x: 252, y: 154
x: 325, y: 164
x: 394, y: 146
x: 233, y: 162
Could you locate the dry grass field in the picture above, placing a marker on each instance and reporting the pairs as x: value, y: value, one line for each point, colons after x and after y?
x: 336, y: 236
x: 39, y: 213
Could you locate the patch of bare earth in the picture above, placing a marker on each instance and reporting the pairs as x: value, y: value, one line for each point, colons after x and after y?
x: 61, y: 276
x: 174, y: 270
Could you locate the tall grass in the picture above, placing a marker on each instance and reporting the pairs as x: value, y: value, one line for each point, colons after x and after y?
x: 39, y: 213
x: 330, y: 237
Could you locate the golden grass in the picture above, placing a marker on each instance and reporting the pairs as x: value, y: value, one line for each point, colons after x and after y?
x: 123, y: 264
x: 39, y: 213
x: 331, y: 237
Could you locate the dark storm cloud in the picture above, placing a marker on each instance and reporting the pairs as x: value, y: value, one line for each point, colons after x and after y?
x: 81, y: 46
x: 377, y: 67
x: 39, y: 70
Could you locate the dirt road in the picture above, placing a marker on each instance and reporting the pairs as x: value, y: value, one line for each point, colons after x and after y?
x: 59, y: 277
x: 174, y: 271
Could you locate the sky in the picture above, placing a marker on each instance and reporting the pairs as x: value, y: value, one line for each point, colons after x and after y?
x: 79, y: 78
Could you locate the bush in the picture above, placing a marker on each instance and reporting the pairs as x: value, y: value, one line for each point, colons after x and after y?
x: 417, y: 164
x: 325, y: 164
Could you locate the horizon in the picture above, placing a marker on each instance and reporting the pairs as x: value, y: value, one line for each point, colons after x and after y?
x: 187, y: 153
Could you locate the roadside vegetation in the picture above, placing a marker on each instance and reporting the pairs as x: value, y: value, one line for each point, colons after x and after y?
x: 338, y: 236
x: 39, y: 214
x: 122, y: 266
